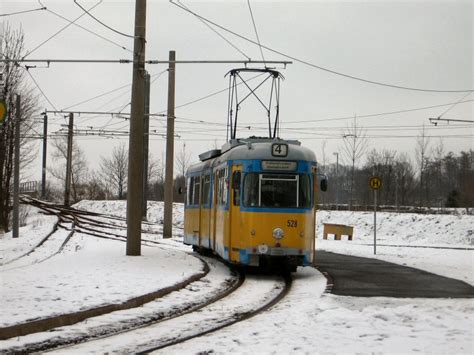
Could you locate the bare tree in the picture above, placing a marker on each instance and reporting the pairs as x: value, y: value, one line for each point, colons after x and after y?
x: 182, y: 160
x: 421, y: 153
x: 79, y: 170
x: 355, y: 146
x: 114, y: 170
x: 13, y: 83
x: 96, y: 189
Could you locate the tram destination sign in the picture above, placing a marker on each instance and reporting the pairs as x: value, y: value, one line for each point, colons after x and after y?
x: 279, y: 165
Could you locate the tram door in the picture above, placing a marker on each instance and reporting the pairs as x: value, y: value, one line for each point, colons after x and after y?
x: 205, y: 215
x: 213, y: 212
x: 315, y: 207
x: 235, y: 217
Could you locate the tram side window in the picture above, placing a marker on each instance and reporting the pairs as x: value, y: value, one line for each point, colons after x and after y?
x: 305, y: 191
x: 193, y: 191
x: 222, y: 187
x: 197, y: 189
x: 189, y: 189
x: 236, y: 187
x: 206, y: 190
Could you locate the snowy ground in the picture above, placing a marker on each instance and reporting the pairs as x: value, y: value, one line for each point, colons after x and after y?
x: 91, y: 272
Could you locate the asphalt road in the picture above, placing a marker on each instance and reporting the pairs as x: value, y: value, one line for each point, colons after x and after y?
x: 365, y: 277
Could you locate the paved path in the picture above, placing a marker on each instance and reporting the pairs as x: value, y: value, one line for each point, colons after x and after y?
x: 364, y: 277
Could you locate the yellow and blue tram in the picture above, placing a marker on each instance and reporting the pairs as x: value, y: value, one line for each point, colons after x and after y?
x: 253, y: 203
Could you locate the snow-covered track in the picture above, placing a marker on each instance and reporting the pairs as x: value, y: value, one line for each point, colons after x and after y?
x: 90, y: 223
x: 45, y: 324
x: 163, y: 305
x: 256, y: 295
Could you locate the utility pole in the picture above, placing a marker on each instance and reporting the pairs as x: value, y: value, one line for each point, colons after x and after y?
x: 337, y: 180
x: 146, y: 144
x: 45, y: 145
x: 16, y: 172
x: 67, y: 189
x: 168, y: 211
x: 135, y: 151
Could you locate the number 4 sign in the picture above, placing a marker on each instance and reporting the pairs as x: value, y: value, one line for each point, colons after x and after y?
x: 279, y: 150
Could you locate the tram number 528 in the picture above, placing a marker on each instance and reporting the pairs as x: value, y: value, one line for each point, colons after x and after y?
x: 292, y: 223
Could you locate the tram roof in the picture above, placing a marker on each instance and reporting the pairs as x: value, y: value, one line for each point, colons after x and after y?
x: 252, y: 148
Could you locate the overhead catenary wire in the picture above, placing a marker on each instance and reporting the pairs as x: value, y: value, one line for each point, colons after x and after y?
x: 210, y: 95
x: 256, y: 32
x: 39, y: 88
x: 86, y: 29
x: 381, y: 113
x: 58, y: 32
x: 454, y: 105
x: 102, y: 23
x: 296, y: 59
x: 157, y: 76
x: 23, y: 12
x: 221, y: 36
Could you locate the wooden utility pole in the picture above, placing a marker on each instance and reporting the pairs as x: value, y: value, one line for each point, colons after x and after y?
x: 135, y: 151
x: 16, y: 172
x: 168, y: 212
x: 67, y: 189
x: 45, y: 145
x: 146, y: 139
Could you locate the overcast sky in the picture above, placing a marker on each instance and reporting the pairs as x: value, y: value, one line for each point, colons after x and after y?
x: 417, y: 44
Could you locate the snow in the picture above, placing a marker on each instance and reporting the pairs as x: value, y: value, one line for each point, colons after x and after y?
x: 90, y: 272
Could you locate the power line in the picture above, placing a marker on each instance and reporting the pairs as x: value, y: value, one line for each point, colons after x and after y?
x: 22, y: 12
x: 58, y: 32
x: 157, y: 76
x: 39, y: 88
x: 87, y: 30
x: 96, y: 97
x: 221, y: 36
x: 103, y: 24
x: 255, y: 29
x: 450, y: 108
x: 314, y: 65
x: 153, y: 61
x: 380, y: 114
x: 210, y: 95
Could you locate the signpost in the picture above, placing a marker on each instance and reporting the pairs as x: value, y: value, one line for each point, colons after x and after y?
x: 375, y: 183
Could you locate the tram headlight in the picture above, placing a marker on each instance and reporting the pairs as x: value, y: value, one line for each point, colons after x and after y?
x: 278, y: 233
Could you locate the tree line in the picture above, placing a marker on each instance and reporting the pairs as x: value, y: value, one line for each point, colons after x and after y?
x: 110, y: 180
x: 437, y: 179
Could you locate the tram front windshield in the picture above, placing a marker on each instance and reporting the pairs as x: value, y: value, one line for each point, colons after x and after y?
x: 277, y: 190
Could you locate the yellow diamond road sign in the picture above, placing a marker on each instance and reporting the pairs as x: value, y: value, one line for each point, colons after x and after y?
x: 3, y: 110
x: 375, y: 183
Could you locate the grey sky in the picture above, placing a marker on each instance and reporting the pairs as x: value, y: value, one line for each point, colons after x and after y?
x: 421, y: 44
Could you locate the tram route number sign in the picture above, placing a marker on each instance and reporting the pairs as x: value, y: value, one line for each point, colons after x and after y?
x: 375, y: 183
x: 279, y: 150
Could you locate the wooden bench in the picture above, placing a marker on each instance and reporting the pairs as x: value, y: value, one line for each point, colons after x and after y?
x: 338, y: 230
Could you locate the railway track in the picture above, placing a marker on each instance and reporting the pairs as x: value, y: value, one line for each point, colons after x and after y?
x: 73, y: 221
x: 188, y: 296
x: 224, y: 305
x: 257, y: 294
